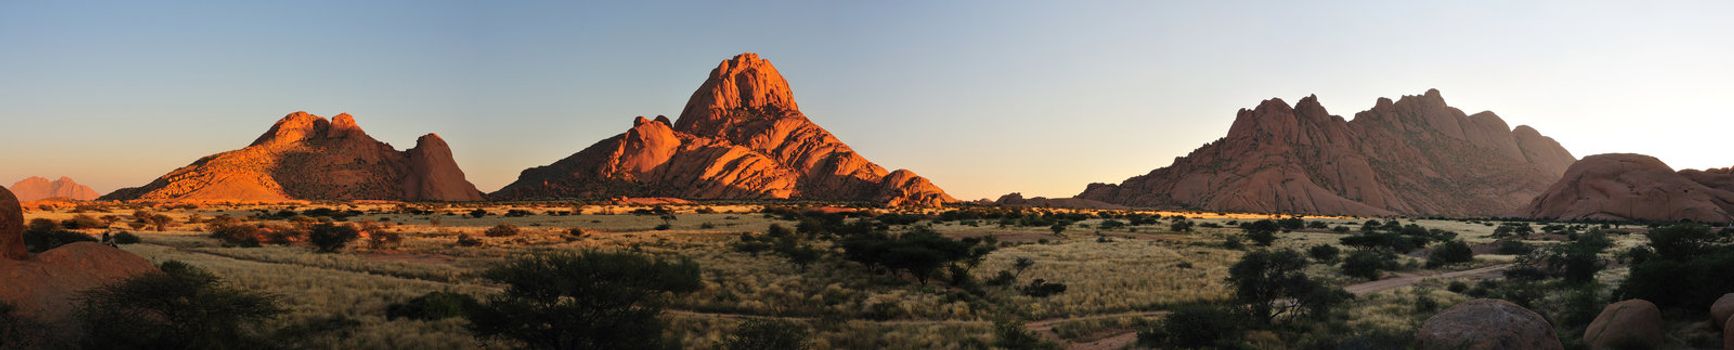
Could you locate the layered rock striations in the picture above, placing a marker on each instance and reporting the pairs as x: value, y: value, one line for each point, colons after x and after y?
x: 1639, y: 188
x: 38, y: 188
x: 307, y: 157
x: 1413, y: 156
x: 741, y: 136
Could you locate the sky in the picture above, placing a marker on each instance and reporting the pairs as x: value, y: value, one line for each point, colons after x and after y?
x: 982, y: 97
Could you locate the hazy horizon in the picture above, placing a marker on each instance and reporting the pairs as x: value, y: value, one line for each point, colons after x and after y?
x: 984, y: 98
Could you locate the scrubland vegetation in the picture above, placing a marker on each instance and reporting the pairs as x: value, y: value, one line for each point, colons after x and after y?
x: 375, y: 276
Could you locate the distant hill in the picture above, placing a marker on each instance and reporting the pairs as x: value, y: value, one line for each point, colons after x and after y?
x: 1636, y: 187
x: 38, y: 188
x: 307, y: 157
x: 741, y: 136
x: 1414, y: 156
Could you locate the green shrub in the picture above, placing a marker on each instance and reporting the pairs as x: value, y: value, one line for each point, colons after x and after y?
x: 586, y: 300
x: 1194, y: 327
x: 1450, y: 253
x: 81, y: 221
x: 1324, y: 253
x: 431, y: 306
x: 767, y: 335
x: 1367, y: 264
x: 330, y: 238
x: 127, y: 238
x: 1013, y: 336
x: 502, y: 230
x: 181, y: 307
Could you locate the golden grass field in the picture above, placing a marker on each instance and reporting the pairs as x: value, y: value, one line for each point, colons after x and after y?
x: 1142, y: 269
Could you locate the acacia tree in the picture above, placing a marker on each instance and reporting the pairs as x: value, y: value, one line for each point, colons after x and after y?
x: 1272, y: 284
x: 182, y: 307
x: 588, y: 300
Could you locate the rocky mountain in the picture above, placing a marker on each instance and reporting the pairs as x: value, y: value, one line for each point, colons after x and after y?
x: 741, y: 136
x: 307, y: 157
x: 1016, y: 199
x: 1413, y: 156
x: 38, y: 188
x: 1636, y: 187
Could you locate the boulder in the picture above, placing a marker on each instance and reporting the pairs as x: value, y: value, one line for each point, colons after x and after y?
x: 1722, y: 310
x: 1487, y: 324
x: 1728, y: 336
x: 45, y: 287
x: 1630, y: 324
x: 11, y: 229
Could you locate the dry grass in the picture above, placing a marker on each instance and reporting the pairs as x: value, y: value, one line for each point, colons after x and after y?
x: 844, y: 305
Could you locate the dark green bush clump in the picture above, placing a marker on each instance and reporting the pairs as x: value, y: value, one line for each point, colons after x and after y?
x: 182, y: 307
x: 588, y: 300
x: 432, y: 306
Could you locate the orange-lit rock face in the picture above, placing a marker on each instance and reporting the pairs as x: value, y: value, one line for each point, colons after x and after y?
x: 741, y: 136
x: 306, y: 157
x: 11, y: 228
x: 37, y: 188
x: 1414, y: 156
x: 45, y: 287
x: 1636, y: 187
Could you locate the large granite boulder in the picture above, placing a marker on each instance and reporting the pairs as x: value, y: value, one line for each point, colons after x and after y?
x: 1630, y: 324
x: 1487, y: 324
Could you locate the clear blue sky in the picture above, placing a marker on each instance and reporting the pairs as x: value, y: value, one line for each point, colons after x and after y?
x: 984, y: 97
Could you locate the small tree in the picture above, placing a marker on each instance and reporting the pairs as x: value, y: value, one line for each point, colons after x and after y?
x: 1324, y: 253
x: 160, y: 222
x: 1059, y: 228
x: 1194, y: 327
x: 1681, y: 241
x: 181, y: 307
x: 330, y: 238
x: 587, y: 300
x: 1272, y: 284
x: 1366, y: 263
x: 1262, y: 232
x: 1181, y: 225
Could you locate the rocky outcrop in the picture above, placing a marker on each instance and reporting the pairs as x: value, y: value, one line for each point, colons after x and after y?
x: 1413, y: 156
x: 1630, y: 324
x: 38, y: 188
x: 1016, y: 199
x: 307, y: 157
x: 741, y: 136
x: 45, y: 287
x: 1487, y: 324
x: 1636, y: 187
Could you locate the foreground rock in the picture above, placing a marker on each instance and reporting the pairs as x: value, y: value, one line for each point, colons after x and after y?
x: 741, y: 136
x: 45, y: 287
x: 1414, y: 156
x: 1630, y: 324
x: 1487, y: 324
x: 1636, y: 187
x: 307, y: 157
x: 1722, y: 310
x: 37, y: 188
